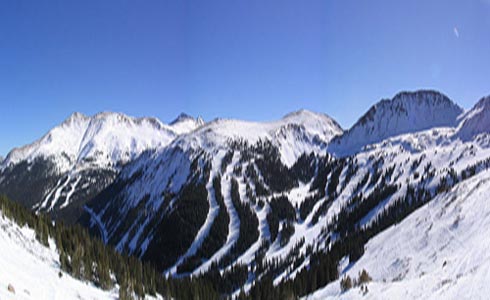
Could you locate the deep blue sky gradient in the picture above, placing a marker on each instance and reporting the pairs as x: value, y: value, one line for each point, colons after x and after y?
x: 254, y: 60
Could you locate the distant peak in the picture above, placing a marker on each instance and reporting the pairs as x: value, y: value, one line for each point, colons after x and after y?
x: 419, y: 97
x: 76, y: 116
x: 200, y: 121
x: 406, y: 112
x: 303, y: 115
x: 402, y: 102
x: 106, y: 114
x: 298, y: 113
x: 483, y: 102
x: 185, y: 123
x: 306, y: 113
x: 476, y: 120
x: 182, y: 117
x: 421, y: 94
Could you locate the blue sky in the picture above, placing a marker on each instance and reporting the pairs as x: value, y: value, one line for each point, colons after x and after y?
x: 255, y: 60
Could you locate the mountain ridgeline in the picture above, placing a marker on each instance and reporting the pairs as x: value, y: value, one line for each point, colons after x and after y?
x: 262, y: 210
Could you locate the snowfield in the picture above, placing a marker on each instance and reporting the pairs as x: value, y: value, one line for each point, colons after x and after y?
x: 438, y: 252
x: 32, y: 269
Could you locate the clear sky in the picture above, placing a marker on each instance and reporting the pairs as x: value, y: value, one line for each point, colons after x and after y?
x: 253, y: 59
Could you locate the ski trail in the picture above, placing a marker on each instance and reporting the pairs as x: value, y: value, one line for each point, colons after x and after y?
x: 71, y: 192
x: 212, y: 213
x: 57, y: 194
x: 233, y: 226
x: 44, y: 204
x: 264, y: 232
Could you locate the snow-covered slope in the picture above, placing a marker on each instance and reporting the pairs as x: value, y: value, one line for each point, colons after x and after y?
x: 32, y: 269
x: 438, y: 252
x: 407, y: 112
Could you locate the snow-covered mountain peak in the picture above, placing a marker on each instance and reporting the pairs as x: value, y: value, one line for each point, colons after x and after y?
x: 476, y: 120
x: 407, y: 112
x: 185, y: 123
x: 120, y: 118
x: 300, y: 113
x: 296, y: 133
x: 104, y: 139
x: 408, y: 103
x: 75, y: 117
x: 230, y: 129
x: 322, y: 123
x: 484, y: 102
x: 181, y: 118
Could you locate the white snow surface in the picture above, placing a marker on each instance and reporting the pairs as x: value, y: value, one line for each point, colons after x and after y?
x: 438, y: 252
x: 32, y: 269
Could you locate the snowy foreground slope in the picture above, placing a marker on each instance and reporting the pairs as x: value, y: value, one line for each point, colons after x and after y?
x: 32, y: 269
x: 438, y: 252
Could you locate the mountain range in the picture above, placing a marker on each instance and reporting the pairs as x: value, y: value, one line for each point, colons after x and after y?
x: 277, y: 198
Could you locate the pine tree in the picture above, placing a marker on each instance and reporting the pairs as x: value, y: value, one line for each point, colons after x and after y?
x: 64, y: 262
x: 345, y: 284
x: 103, y: 271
